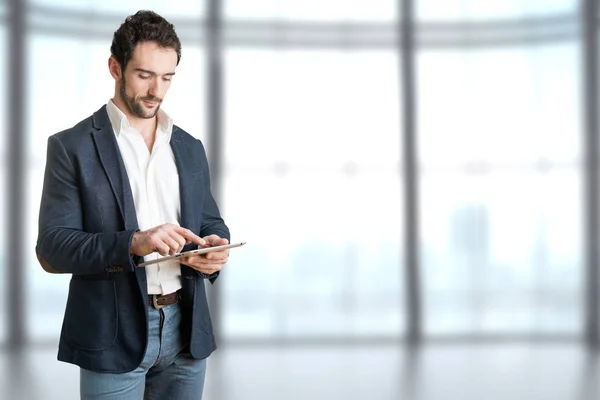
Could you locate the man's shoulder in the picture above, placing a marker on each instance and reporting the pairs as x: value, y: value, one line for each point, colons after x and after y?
x: 181, y: 135
x: 78, y: 131
x: 75, y: 131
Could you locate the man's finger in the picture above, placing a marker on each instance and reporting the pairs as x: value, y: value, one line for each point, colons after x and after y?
x: 189, y: 235
x: 215, y: 240
x: 217, y: 255
x: 163, y: 249
x: 210, y: 268
x: 173, y: 245
x: 181, y: 241
x: 220, y: 242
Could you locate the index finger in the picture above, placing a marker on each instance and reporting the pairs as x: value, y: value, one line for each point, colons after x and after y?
x: 189, y: 235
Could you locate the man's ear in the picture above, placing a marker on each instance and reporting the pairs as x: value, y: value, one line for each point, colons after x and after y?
x: 114, y: 68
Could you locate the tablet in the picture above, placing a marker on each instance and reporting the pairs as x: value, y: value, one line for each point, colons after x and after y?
x: 203, y: 250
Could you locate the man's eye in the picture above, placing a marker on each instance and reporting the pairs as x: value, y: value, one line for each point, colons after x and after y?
x: 167, y: 79
x: 145, y: 76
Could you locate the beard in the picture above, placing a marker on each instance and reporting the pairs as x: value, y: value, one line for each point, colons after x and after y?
x: 136, y: 107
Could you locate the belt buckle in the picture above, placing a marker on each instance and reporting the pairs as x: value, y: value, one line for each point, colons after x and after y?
x: 155, y: 302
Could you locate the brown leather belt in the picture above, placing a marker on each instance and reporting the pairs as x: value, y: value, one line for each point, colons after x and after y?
x: 159, y: 301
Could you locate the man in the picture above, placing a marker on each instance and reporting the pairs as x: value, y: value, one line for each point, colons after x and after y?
x: 120, y: 187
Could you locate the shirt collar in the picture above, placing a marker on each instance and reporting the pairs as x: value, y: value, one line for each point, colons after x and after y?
x: 120, y: 123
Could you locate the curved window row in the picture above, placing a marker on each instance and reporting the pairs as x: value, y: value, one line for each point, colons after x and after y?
x: 312, y: 136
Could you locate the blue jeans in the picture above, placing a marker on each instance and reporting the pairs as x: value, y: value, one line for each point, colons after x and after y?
x: 165, y: 373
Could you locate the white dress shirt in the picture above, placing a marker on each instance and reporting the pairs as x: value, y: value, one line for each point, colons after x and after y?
x: 154, y: 184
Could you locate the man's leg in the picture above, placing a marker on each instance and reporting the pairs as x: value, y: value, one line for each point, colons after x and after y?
x: 176, y: 375
x: 102, y: 386
x: 182, y: 380
x: 126, y: 386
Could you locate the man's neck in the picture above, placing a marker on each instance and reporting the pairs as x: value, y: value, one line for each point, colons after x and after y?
x: 145, y: 126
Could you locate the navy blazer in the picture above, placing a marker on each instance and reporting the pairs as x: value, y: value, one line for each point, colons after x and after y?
x: 87, y: 220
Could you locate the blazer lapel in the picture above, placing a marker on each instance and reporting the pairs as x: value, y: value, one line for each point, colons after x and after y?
x: 112, y: 162
x: 185, y: 163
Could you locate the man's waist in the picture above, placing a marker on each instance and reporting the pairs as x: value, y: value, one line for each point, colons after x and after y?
x: 159, y: 301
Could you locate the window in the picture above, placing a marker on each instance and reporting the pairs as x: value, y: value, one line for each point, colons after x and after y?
x: 312, y: 183
x: 312, y: 10
x: 312, y: 148
x: 500, y: 145
x: 484, y: 11
x: 180, y: 8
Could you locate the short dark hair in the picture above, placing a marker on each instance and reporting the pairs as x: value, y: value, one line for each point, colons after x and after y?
x: 143, y: 26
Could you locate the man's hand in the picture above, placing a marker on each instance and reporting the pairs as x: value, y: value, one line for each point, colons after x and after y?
x: 209, y: 263
x: 165, y: 239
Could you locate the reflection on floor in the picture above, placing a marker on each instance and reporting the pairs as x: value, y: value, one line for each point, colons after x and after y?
x: 438, y: 371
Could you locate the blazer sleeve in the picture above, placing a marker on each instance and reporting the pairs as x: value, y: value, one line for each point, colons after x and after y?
x: 62, y: 245
x: 212, y: 222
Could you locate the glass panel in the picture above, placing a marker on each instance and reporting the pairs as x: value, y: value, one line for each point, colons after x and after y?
x: 60, y: 94
x: 502, y: 251
x: 327, y: 109
x: 180, y: 8
x: 319, y: 261
x: 312, y: 10
x: 500, y: 143
x: 468, y: 110
x: 312, y: 184
x: 477, y: 10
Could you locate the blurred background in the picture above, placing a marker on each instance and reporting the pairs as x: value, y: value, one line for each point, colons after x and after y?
x: 417, y: 181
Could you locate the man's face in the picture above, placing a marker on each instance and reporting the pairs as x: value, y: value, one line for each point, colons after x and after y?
x: 147, y: 78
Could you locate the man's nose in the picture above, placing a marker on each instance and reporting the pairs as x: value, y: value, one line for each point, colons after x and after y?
x: 156, y: 88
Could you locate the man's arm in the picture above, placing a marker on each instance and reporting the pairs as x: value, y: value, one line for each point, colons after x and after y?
x: 62, y: 246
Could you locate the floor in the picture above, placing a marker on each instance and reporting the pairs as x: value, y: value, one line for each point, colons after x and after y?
x: 448, y: 371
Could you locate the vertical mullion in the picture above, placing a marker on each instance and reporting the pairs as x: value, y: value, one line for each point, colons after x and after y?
x: 406, y: 43
x: 214, y: 101
x: 589, y: 16
x: 16, y: 174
